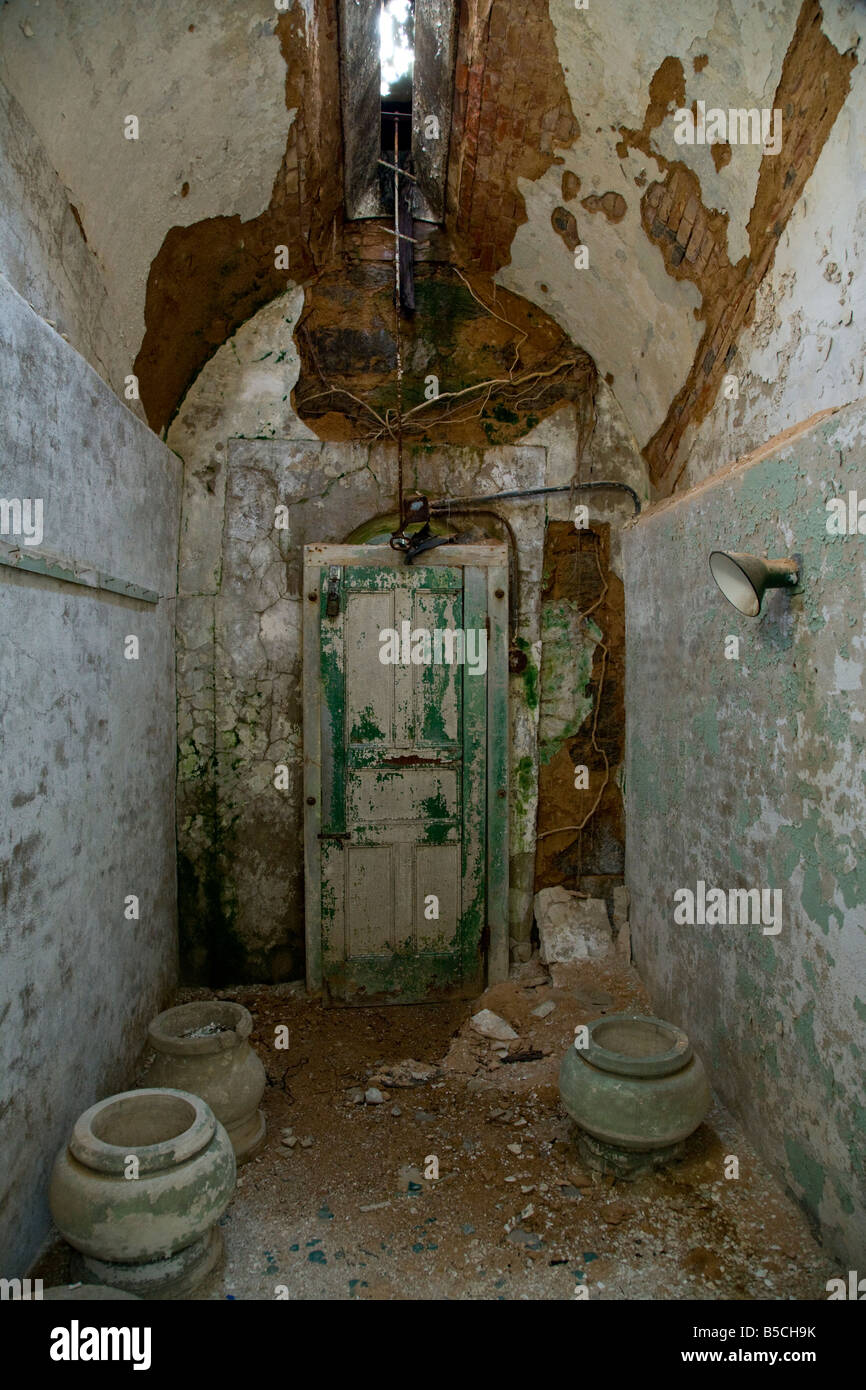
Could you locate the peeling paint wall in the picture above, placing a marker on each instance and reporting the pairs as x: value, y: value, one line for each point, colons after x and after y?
x: 245, y: 451
x: 240, y: 710
x: 88, y: 750
x: 207, y: 85
x: 563, y: 135
x: 663, y: 298
x: 749, y: 773
x: 805, y: 350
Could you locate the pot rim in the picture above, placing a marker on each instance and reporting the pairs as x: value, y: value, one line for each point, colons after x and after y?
x: 678, y: 1055
x: 163, y: 1038
x: 93, y: 1152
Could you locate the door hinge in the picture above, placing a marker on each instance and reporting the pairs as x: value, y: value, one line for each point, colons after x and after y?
x: 332, y: 605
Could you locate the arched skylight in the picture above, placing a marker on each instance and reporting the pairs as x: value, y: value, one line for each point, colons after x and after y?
x: 396, y: 48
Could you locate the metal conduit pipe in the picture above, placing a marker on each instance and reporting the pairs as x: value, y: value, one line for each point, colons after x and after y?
x: 447, y: 502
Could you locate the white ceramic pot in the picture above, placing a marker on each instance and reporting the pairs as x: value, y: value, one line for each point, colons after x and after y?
x: 139, y: 1189
x: 203, y: 1048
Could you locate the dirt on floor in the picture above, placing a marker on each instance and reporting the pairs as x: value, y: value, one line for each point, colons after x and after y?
x: 351, y: 1209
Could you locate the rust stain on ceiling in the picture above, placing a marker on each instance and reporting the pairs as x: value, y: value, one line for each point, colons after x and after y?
x: 512, y: 112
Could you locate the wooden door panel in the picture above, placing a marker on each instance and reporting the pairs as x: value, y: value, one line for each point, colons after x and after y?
x: 436, y: 694
x: 378, y: 795
x: 369, y: 700
x: 403, y: 844
x: 369, y: 900
x: 437, y: 871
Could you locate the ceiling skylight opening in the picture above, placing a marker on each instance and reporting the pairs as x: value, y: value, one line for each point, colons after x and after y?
x: 396, y: 47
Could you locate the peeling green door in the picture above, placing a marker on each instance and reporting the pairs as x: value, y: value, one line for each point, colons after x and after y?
x: 403, y: 836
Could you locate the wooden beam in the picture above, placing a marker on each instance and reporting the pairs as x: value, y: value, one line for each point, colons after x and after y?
x: 360, y: 77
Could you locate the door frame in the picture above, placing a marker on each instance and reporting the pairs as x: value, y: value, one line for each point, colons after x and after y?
x: 491, y: 557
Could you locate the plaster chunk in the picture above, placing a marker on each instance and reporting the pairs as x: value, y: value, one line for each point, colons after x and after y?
x: 490, y: 1025
x: 571, y: 928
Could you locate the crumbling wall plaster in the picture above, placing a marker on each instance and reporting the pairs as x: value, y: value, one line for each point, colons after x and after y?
x: 805, y: 351
x: 563, y: 135
x: 238, y: 619
x: 660, y: 323
x: 746, y: 772
x: 239, y: 687
x: 206, y: 83
x: 633, y: 317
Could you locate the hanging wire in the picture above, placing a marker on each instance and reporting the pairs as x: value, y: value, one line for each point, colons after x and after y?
x: 586, y: 429
x: 397, y: 335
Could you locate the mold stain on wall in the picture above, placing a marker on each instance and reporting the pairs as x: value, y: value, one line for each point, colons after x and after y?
x: 496, y: 363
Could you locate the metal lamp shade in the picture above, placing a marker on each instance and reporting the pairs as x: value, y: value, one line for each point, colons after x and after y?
x: 743, y: 579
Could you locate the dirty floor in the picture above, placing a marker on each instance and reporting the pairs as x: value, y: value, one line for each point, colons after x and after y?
x: 347, y: 1212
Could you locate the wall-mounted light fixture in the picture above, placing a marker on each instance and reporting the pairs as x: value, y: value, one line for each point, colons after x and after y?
x: 743, y: 579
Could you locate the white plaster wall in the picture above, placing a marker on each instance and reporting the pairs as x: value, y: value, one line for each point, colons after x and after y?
x: 43, y: 254
x: 88, y: 756
x: 211, y: 107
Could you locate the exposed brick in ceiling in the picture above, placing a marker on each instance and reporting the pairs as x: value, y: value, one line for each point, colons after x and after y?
x: 511, y: 112
x: 613, y: 205
x: 468, y: 332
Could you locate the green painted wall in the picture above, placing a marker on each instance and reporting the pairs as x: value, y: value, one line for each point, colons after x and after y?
x: 751, y: 773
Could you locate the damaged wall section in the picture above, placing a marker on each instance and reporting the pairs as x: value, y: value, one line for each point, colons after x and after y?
x: 245, y: 450
x: 582, y: 714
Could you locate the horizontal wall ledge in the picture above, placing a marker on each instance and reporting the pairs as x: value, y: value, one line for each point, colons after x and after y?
x: 54, y: 567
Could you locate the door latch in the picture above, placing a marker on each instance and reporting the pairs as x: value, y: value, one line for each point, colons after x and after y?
x: 332, y: 604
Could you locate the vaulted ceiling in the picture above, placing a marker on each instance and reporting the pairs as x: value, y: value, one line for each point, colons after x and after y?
x: 563, y: 135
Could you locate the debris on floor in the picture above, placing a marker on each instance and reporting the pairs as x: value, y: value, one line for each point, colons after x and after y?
x: 474, y: 1189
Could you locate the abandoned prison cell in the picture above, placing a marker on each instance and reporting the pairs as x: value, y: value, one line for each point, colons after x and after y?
x: 432, y: 696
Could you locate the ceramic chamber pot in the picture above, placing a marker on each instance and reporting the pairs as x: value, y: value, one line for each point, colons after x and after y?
x: 637, y: 1086
x: 155, y: 1234
x: 204, y: 1048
